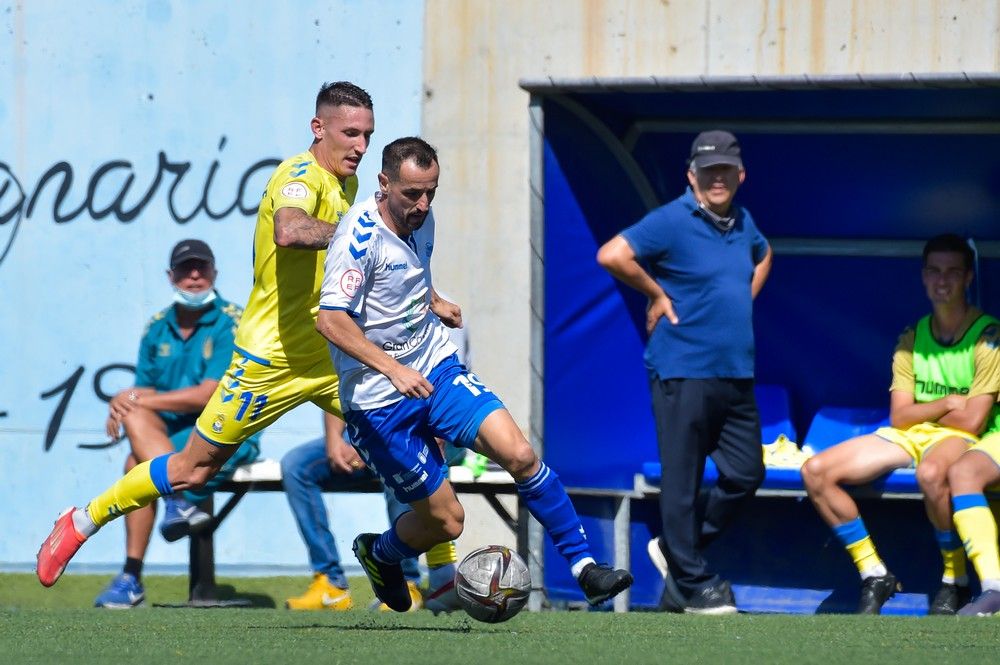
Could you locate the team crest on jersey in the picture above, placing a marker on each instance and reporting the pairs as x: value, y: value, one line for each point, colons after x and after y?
x: 220, y: 420
x: 207, y: 348
x: 351, y: 281
x: 164, y: 351
x: 295, y: 190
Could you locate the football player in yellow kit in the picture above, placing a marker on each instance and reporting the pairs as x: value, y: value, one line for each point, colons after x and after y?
x: 280, y: 359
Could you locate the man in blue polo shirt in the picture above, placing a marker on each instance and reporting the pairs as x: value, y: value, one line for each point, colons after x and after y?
x: 184, y: 351
x: 700, y: 260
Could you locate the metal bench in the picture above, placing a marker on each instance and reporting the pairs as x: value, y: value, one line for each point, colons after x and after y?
x: 265, y: 476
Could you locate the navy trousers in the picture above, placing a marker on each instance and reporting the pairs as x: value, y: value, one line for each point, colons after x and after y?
x: 697, y: 418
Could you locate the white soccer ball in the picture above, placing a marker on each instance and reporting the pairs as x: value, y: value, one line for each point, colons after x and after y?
x: 492, y: 583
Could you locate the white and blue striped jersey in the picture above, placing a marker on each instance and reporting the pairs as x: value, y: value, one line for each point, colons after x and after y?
x: 384, y: 282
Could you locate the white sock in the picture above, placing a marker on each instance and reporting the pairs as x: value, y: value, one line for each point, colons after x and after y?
x: 990, y: 585
x: 580, y: 565
x: 878, y: 570
x: 83, y: 524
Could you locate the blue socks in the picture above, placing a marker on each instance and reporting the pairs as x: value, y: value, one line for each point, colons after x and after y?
x: 389, y: 548
x: 851, y: 532
x: 547, y: 501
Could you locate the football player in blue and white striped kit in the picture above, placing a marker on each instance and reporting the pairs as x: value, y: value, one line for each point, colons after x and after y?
x: 402, y: 384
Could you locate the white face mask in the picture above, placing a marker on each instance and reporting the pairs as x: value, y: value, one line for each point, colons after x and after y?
x: 191, y: 300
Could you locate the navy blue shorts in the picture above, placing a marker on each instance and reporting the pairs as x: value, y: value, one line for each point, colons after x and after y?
x: 398, y: 441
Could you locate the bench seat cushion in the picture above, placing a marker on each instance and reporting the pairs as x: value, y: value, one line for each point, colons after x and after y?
x: 903, y: 481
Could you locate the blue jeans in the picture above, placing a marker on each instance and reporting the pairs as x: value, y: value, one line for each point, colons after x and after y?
x: 306, y: 473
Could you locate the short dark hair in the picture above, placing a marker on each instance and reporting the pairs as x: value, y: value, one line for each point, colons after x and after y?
x: 949, y: 242
x: 408, y: 147
x: 342, y: 93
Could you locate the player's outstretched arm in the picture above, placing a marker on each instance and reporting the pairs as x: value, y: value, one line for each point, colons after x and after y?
x: 295, y: 229
x: 449, y: 313
x: 341, y: 331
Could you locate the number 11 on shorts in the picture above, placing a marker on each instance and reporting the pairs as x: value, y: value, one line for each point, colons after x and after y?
x: 246, y: 399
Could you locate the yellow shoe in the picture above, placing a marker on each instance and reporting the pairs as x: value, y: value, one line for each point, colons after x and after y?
x: 784, y: 453
x: 416, y: 599
x: 321, y: 595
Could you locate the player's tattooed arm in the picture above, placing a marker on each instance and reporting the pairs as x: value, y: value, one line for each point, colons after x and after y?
x: 295, y: 229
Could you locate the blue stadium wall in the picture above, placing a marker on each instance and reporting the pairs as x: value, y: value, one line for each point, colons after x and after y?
x: 846, y: 180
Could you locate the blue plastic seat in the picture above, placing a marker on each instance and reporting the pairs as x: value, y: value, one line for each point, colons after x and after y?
x: 775, y: 413
x: 832, y: 424
x: 775, y: 420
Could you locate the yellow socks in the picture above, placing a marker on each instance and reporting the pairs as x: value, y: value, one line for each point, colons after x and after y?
x: 859, y: 545
x: 137, y: 488
x: 978, y: 531
x: 953, y: 556
x: 441, y: 554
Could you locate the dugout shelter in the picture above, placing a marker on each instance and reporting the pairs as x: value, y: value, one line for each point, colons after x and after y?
x: 847, y: 176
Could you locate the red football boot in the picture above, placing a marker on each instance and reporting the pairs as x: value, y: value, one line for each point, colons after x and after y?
x: 58, y: 548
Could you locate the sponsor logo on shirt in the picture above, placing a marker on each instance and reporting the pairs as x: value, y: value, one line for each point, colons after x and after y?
x: 396, y: 266
x: 935, y: 388
x: 408, y: 344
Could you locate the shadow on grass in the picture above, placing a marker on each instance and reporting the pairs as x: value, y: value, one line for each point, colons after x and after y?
x: 462, y: 626
x: 225, y: 595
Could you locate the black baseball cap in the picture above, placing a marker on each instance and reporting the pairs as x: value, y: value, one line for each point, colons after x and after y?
x: 189, y: 249
x: 713, y: 147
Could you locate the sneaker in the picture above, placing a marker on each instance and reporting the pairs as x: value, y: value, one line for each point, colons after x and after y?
x: 181, y: 519
x: 321, y: 595
x: 600, y: 582
x: 443, y: 597
x: 784, y: 453
x: 60, y: 546
x: 386, y: 579
x: 875, y: 591
x: 416, y: 600
x: 986, y: 605
x: 949, y: 598
x: 671, y: 600
x: 123, y: 593
x: 475, y: 463
x: 715, y: 599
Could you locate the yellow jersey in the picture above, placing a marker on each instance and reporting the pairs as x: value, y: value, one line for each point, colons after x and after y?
x: 279, y: 322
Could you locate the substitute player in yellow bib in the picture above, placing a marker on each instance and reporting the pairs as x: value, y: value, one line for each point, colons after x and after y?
x: 945, y: 375
x: 280, y: 360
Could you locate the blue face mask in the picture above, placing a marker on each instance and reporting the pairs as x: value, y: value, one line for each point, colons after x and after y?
x: 190, y: 300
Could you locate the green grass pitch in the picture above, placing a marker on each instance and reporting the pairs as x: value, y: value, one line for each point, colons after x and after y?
x: 58, y: 626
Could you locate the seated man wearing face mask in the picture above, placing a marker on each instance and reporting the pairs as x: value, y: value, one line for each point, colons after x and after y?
x: 184, y: 351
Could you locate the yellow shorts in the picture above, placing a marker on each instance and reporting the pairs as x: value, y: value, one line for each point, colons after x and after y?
x: 990, y: 444
x: 251, y: 396
x: 920, y: 438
